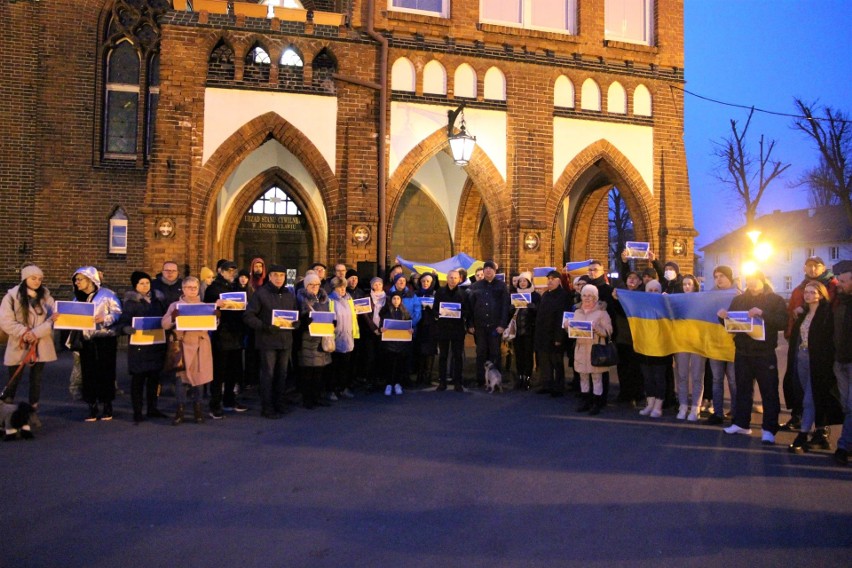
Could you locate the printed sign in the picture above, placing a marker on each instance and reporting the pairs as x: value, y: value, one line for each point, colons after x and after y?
x: 396, y: 330
x: 234, y: 301
x: 637, y: 249
x: 196, y: 317
x: 521, y: 299
x: 75, y: 315
x: 322, y: 324
x: 147, y: 331
x: 450, y: 310
x: 285, y: 319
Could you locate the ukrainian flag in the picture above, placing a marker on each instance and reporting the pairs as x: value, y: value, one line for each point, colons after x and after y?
x: 196, y: 317
x: 148, y: 331
x: 579, y: 268
x: 322, y: 324
x: 441, y: 268
x: 678, y: 323
x: 397, y: 330
x: 75, y: 315
x: 540, y: 275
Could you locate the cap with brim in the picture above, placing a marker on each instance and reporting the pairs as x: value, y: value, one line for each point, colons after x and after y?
x: 228, y: 265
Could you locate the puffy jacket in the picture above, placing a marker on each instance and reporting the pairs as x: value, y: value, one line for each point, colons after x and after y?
x: 143, y: 358
x: 11, y: 321
x: 310, y: 354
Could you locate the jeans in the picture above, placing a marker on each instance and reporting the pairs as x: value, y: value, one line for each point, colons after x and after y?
x: 690, y: 369
x: 764, y: 369
x: 273, y: 379
x: 721, y: 369
x: 843, y: 372
x: 803, y: 369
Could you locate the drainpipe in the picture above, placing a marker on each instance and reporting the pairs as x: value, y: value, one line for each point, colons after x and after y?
x: 381, y: 252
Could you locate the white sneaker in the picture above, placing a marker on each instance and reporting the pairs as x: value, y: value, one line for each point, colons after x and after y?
x: 347, y: 394
x: 397, y: 388
x: 767, y: 438
x: 734, y: 429
x: 388, y: 390
x: 693, y: 415
x: 649, y: 407
x: 681, y: 411
x: 332, y: 397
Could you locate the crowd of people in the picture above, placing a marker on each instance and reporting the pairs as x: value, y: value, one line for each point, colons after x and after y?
x: 290, y: 364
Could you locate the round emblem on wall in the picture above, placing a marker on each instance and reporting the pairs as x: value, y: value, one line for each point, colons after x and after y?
x: 166, y: 228
x: 361, y: 234
x: 531, y: 241
x: 678, y: 247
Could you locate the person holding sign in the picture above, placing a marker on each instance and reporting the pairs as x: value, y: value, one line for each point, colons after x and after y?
x: 488, y: 303
x: 312, y: 359
x: 197, y: 354
x: 525, y: 329
x: 144, y: 362
x: 425, y: 345
x: 274, y: 344
x: 98, y: 346
x: 449, y: 330
x: 755, y: 359
x: 26, y: 315
x: 397, y: 352
x: 593, y: 311
x: 346, y: 331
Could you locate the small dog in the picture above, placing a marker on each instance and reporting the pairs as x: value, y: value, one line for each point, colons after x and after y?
x: 493, y: 378
x: 16, y: 420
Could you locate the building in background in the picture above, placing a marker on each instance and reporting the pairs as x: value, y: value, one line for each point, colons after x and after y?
x: 136, y: 131
x: 781, y: 244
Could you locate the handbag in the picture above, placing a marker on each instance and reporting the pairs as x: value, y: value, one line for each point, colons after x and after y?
x: 174, y: 355
x: 511, y: 330
x: 328, y: 344
x: 604, y: 354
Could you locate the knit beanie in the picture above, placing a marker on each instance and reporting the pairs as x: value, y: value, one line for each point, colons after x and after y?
x: 350, y: 273
x: 138, y: 275
x: 205, y: 273
x: 31, y: 270
x: 674, y: 265
x: 726, y: 270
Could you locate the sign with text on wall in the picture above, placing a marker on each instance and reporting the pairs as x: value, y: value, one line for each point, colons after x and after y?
x: 273, y: 223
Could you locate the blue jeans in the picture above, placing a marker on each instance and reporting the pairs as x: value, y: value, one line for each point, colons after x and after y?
x: 843, y: 372
x: 803, y: 369
x: 720, y: 370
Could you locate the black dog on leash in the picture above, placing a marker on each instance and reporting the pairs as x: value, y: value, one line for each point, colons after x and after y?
x: 16, y: 420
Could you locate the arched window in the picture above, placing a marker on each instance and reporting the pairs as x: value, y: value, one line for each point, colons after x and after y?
x: 275, y: 202
x: 403, y: 75
x: 464, y: 81
x: 291, y: 68
x: 130, y: 68
x: 122, y: 101
x: 324, y: 65
x: 642, y: 101
x: 563, y: 93
x: 616, y: 99
x: 257, y: 66
x: 495, y: 85
x: 434, y: 79
x: 220, y: 64
x: 590, y: 98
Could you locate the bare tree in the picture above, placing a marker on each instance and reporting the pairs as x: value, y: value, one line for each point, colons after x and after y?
x: 833, y: 137
x: 820, y: 185
x: 620, y: 224
x: 747, y: 174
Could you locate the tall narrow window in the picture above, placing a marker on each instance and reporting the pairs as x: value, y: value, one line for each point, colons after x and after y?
x: 153, y: 102
x: 325, y: 65
x: 291, y: 68
x: 275, y: 202
x: 122, y: 101
x: 257, y: 66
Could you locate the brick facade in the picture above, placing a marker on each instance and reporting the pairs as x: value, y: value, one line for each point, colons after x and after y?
x: 57, y: 191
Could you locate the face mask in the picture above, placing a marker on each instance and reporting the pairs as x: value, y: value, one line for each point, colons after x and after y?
x: 670, y: 274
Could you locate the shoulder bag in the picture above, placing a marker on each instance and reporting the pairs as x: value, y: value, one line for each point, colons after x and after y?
x: 604, y: 354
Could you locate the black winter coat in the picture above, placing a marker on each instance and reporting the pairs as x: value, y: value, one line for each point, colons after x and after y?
x: 774, y: 318
x: 821, y: 355
x: 258, y: 316
x: 549, y: 335
x: 488, y: 304
x: 229, y: 335
x: 142, y: 358
x: 525, y: 317
x: 449, y: 328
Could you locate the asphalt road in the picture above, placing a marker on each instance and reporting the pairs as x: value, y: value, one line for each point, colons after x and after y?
x: 423, y: 479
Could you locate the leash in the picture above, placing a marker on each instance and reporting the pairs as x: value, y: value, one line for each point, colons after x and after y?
x: 30, y: 358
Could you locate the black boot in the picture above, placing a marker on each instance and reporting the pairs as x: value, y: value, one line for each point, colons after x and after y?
x: 800, y: 444
x: 198, y: 412
x: 178, y: 415
x: 442, y: 385
x: 586, y: 405
x: 597, y: 405
x: 820, y: 439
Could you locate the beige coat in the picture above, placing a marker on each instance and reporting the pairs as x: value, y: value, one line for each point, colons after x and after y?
x: 197, y: 351
x: 41, y: 325
x: 583, y: 347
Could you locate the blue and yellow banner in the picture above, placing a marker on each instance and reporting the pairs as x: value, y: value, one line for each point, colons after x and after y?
x: 441, y: 268
x: 322, y: 324
x: 663, y: 324
x: 579, y: 268
x: 75, y: 315
x: 397, y: 330
x: 196, y: 317
x: 148, y: 331
x: 540, y: 275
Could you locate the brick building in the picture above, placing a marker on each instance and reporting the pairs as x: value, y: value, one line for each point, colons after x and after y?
x: 212, y: 128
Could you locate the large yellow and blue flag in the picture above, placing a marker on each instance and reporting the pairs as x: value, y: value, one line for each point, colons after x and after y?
x: 662, y: 324
x: 441, y: 268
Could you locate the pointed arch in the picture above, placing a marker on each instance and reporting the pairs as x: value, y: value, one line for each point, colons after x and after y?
x: 464, y: 81
x: 482, y: 174
x: 614, y: 168
x: 495, y: 85
x: 590, y: 95
x: 212, y: 175
x: 434, y: 78
x: 403, y: 75
x: 616, y: 99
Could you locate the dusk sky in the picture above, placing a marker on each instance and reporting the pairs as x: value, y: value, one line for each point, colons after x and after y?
x: 760, y: 53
